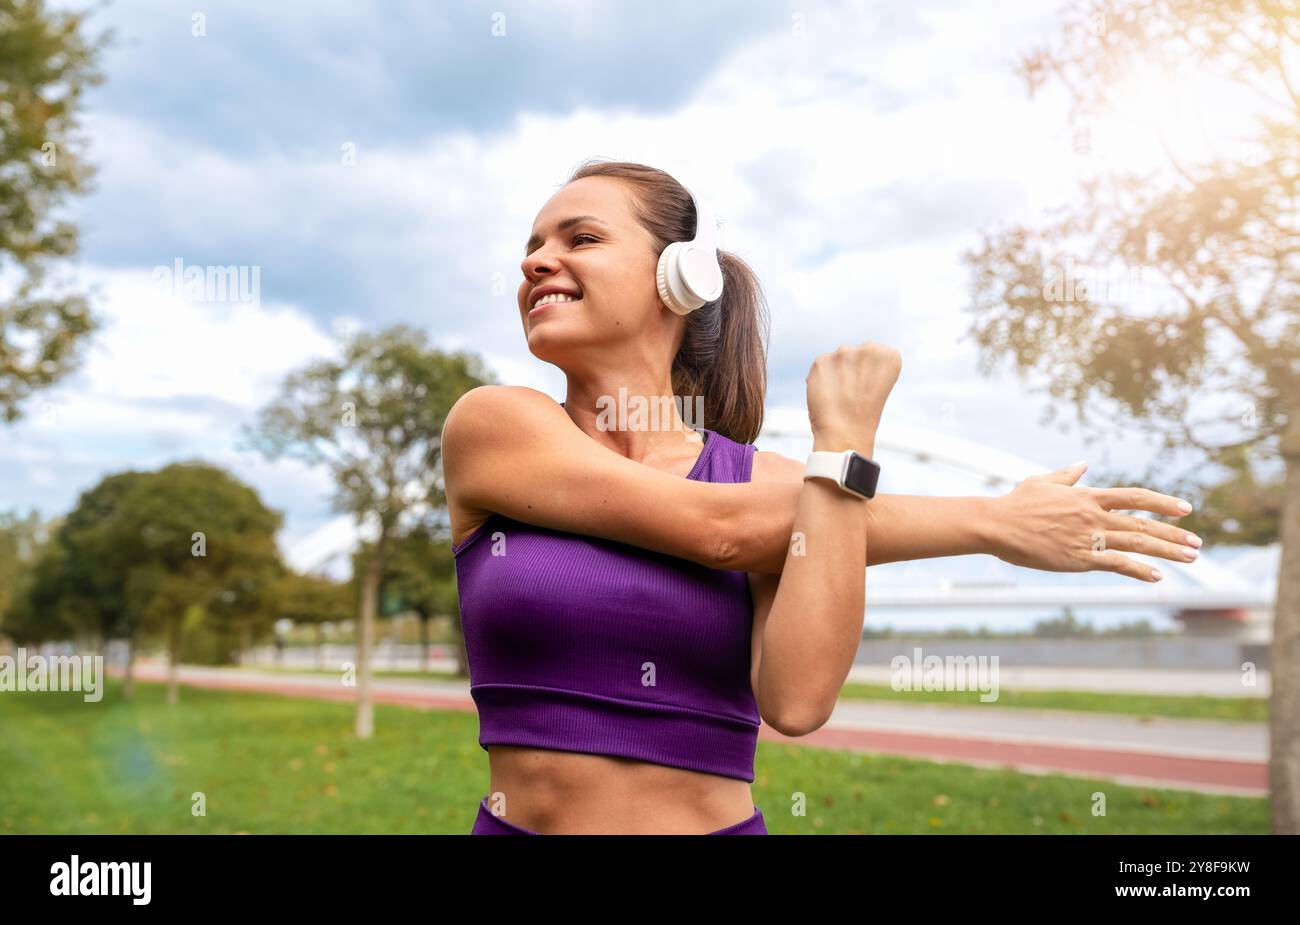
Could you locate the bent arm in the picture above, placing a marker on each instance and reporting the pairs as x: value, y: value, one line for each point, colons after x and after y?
x: 514, y: 451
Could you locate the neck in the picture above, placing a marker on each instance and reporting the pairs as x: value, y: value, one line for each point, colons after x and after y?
x: 639, y: 420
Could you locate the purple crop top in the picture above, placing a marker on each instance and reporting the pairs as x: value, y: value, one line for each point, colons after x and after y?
x: 584, y: 644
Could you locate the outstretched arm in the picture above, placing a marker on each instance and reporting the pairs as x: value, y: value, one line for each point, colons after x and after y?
x: 899, y: 527
x: 1047, y: 522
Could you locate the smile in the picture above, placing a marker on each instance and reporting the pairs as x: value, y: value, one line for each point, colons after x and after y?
x: 547, y: 301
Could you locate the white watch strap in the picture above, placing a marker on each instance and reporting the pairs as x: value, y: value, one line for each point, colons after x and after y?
x: 823, y: 464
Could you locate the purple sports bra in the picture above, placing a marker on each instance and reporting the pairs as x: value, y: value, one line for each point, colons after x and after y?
x: 584, y: 644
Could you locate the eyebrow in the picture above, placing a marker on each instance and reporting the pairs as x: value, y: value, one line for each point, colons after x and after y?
x: 536, y: 239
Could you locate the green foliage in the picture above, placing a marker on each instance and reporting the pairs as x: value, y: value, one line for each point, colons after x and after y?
x: 150, y: 555
x: 1065, y: 626
x: 45, y: 66
x: 374, y: 417
x: 20, y: 542
x: 200, y: 537
x: 1218, y: 240
x: 419, y: 573
x: 79, y: 584
x: 315, y: 599
x: 24, y: 545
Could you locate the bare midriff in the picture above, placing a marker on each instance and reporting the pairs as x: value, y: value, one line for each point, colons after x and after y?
x: 555, y: 792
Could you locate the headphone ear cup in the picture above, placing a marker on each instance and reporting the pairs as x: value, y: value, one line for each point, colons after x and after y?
x: 699, y: 272
x: 667, y: 281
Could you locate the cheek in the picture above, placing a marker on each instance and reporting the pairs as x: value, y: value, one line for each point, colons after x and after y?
x: 622, y: 279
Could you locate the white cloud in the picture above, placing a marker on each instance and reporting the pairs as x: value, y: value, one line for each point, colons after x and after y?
x: 892, y: 142
x: 163, y: 379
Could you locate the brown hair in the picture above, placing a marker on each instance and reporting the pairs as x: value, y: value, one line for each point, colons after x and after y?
x: 723, y: 355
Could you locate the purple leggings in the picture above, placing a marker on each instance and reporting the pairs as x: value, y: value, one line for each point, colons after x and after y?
x: 488, y: 824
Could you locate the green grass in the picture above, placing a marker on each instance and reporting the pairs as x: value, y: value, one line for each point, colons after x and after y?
x: 1229, y: 709
x: 265, y: 763
x: 271, y: 764
x: 848, y: 792
x: 1234, y: 709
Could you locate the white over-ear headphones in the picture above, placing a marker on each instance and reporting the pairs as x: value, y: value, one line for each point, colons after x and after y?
x: 689, y: 275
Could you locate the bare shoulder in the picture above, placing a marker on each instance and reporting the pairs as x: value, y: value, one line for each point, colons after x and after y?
x: 480, y: 418
x: 489, y: 414
x: 773, y: 467
x: 491, y: 403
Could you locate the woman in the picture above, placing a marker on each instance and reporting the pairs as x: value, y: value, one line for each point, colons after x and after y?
x: 635, y: 600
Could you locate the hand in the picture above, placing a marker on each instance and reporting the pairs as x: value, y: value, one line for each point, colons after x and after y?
x: 846, y: 395
x: 1047, y: 522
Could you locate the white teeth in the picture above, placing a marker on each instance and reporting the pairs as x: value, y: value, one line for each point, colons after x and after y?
x: 554, y: 297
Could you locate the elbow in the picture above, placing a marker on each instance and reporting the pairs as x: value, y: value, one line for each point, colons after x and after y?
x: 798, y: 722
x: 732, y: 535
x: 739, y: 551
x: 723, y: 553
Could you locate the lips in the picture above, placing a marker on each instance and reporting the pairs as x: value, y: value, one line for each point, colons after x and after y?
x: 538, y: 308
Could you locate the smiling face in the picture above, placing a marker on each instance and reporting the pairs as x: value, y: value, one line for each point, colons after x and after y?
x: 587, y: 244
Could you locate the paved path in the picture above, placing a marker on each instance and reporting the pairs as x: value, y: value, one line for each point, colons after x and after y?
x: 1177, y: 681
x: 1174, y: 681
x: 1201, y: 755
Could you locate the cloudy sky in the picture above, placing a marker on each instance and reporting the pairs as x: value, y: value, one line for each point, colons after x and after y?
x: 383, y: 163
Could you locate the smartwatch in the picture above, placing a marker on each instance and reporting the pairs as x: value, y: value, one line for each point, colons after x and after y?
x: 849, y: 469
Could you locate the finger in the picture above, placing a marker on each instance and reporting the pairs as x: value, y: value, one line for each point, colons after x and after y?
x: 1145, y: 544
x: 1171, y: 533
x: 1112, y: 561
x: 1065, y: 476
x: 1131, y: 498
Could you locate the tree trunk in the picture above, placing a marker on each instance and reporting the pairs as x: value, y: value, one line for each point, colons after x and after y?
x: 1284, y: 653
x: 128, y: 678
x: 173, y: 664
x: 462, y: 654
x: 245, y: 644
x: 365, y: 727
x: 424, y: 641
x: 320, y: 645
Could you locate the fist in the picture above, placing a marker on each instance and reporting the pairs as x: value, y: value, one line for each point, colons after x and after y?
x: 847, y: 389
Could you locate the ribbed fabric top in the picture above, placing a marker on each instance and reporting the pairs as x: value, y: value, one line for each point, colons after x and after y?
x: 584, y: 644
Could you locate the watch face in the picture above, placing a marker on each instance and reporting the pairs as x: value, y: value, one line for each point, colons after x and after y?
x: 861, y: 475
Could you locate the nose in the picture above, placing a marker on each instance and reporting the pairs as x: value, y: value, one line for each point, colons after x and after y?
x: 539, y: 263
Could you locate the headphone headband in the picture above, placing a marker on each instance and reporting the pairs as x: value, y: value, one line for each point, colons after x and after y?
x: 689, y: 274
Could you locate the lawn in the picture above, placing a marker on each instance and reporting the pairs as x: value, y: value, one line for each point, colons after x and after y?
x: 272, y: 764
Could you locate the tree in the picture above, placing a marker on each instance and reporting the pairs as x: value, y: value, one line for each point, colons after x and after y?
x: 21, y: 539
x: 45, y: 65
x: 420, y: 572
x: 375, y: 418
x: 28, y: 557
x: 80, y: 585
x: 315, y: 600
x: 153, y: 555
x: 1220, y: 236
x: 202, y: 549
